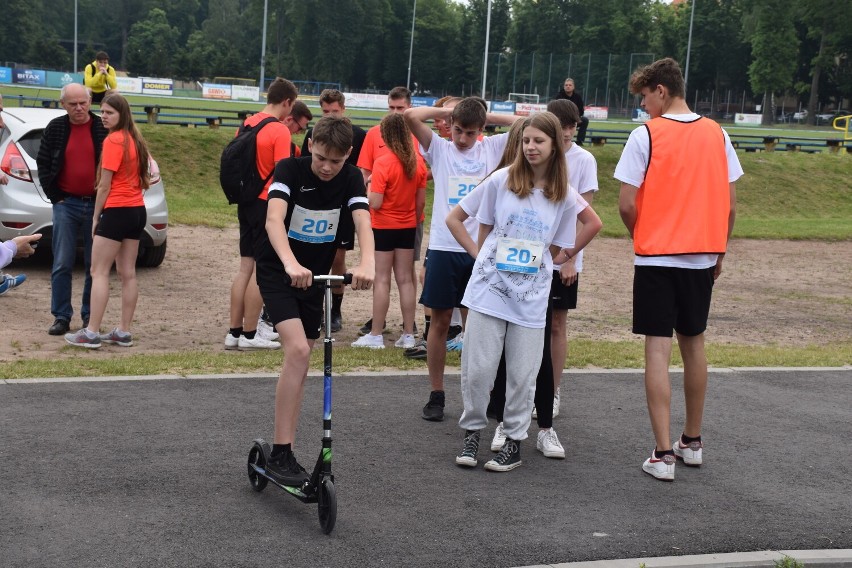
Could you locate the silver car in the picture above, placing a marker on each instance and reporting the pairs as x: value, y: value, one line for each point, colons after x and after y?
x: 25, y: 209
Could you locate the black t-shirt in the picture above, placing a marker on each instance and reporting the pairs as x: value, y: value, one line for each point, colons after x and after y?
x: 315, y: 210
x: 358, y: 135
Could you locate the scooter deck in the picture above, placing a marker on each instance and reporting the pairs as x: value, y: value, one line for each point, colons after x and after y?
x: 294, y: 490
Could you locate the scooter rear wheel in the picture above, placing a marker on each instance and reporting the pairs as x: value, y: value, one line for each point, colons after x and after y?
x: 258, y: 456
x: 327, y: 506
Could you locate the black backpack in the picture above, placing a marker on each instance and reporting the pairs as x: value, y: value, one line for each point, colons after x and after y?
x: 238, y: 173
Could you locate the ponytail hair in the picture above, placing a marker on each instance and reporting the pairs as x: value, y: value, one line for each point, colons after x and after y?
x: 397, y: 136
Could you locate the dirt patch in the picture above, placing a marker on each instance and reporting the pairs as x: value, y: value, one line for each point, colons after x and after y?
x: 771, y: 292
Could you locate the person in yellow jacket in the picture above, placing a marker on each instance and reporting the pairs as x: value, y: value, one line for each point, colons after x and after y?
x: 678, y: 177
x: 99, y: 76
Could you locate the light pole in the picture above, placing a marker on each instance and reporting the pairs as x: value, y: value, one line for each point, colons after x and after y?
x: 487, y: 36
x: 75, y: 36
x: 688, y: 47
x: 411, y: 46
x: 263, y: 45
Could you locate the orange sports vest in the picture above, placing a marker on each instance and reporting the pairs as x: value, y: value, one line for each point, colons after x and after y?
x: 683, y: 205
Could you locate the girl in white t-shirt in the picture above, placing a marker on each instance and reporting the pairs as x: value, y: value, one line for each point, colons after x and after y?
x: 527, y: 216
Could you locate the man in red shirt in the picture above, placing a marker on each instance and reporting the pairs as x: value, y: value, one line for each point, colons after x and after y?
x: 273, y: 144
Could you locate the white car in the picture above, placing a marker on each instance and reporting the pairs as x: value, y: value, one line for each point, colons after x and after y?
x: 25, y: 209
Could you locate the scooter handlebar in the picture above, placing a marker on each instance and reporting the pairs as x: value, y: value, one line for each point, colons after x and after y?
x: 321, y: 279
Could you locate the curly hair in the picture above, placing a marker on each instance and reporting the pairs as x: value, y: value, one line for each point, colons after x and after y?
x: 397, y: 137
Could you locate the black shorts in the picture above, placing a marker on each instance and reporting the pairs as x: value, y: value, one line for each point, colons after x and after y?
x: 389, y: 239
x: 283, y: 302
x: 446, y: 279
x: 119, y: 223
x: 563, y: 297
x: 666, y: 298
x: 252, y: 217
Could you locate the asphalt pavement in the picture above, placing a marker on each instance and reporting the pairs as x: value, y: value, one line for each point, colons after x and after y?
x: 152, y: 472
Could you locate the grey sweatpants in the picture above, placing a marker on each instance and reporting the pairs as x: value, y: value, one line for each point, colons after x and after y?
x: 484, y: 338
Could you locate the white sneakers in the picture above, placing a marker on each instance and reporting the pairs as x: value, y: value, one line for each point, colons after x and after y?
x: 499, y: 438
x: 266, y: 331
x: 406, y: 341
x: 370, y: 341
x: 690, y: 454
x: 257, y: 343
x: 264, y: 338
x: 662, y: 468
x: 548, y: 444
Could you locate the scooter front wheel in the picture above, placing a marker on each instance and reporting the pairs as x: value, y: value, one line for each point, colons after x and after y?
x: 327, y: 506
x: 258, y: 456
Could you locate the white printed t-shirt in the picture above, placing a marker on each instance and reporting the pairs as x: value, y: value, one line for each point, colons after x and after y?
x: 583, y: 176
x: 449, y: 164
x: 517, y: 297
x: 631, y: 169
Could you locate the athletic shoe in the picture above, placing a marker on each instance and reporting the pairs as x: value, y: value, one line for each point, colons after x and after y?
x: 548, y: 444
x: 434, y: 409
x: 266, y: 331
x: 61, y: 327
x: 467, y: 457
x: 368, y: 327
x: 662, y: 468
x: 116, y: 337
x: 508, y: 459
x: 257, y: 343
x: 418, y: 351
x: 556, y: 403
x: 284, y: 469
x: 81, y: 338
x: 499, y: 438
x: 336, y: 321
x: 10, y: 282
x: 690, y: 454
x: 231, y: 342
x: 370, y: 341
x: 456, y: 343
x: 406, y: 341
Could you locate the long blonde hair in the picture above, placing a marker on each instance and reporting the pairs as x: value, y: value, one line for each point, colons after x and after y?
x: 125, y: 124
x: 521, y: 178
x: 397, y: 137
x: 513, y: 145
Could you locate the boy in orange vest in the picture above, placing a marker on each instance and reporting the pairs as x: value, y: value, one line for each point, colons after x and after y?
x: 678, y: 177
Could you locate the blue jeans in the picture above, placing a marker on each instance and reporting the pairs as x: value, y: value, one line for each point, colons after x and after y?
x: 71, y: 217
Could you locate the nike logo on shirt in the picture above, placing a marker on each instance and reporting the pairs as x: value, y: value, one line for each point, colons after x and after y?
x: 303, y: 188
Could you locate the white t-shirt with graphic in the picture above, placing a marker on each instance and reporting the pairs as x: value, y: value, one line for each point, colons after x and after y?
x: 456, y: 173
x: 583, y: 176
x: 512, y: 272
x: 631, y: 169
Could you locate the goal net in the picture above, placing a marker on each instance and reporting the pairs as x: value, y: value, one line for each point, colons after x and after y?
x: 524, y: 98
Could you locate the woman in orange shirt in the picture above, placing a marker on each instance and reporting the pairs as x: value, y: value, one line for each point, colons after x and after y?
x: 118, y: 223
x: 397, y: 195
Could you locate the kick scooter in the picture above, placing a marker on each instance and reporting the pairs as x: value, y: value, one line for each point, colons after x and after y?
x: 320, y: 486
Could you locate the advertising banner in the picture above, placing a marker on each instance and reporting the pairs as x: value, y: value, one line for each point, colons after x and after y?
x: 214, y: 91
x: 596, y: 112
x: 363, y: 100
x: 152, y: 86
x: 423, y: 101
x: 526, y: 109
x: 244, y: 93
x: 5, y: 74
x: 741, y: 119
x: 507, y: 107
x: 30, y: 76
x: 60, y: 79
x: 129, y: 85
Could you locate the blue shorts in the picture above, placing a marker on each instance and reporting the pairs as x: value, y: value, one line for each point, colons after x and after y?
x: 446, y: 279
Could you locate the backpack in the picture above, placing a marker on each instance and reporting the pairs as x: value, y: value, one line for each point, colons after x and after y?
x: 238, y: 173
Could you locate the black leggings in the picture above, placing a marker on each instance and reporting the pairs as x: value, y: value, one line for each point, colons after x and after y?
x: 543, y: 383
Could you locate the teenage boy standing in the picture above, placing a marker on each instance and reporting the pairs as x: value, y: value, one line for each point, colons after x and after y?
x: 308, y: 200
x: 457, y: 167
x: 678, y: 177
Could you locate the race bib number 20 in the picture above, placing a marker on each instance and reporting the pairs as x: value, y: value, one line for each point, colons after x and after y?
x: 519, y: 255
x: 459, y: 187
x: 313, y: 226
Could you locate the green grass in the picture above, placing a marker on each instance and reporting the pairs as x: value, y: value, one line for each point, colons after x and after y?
x: 584, y: 354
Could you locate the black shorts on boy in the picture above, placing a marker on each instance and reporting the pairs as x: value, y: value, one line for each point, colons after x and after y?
x: 667, y: 298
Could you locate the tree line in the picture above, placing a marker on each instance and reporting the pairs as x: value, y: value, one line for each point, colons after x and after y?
x: 767, y: 48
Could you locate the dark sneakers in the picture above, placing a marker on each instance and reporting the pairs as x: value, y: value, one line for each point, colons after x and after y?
x: 467, y: 457
x: 61, y: 327
x: 284, y: 469
x: 336, y: 321
x: 434, y: 409
x: 509, y: 457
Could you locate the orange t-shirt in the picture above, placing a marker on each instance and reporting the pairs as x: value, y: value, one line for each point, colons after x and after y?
x: 398, y: 206
x: 126, y: 187
x: 273, y: 144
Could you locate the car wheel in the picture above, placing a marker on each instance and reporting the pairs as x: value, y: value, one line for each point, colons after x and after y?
x: 151, y: 257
